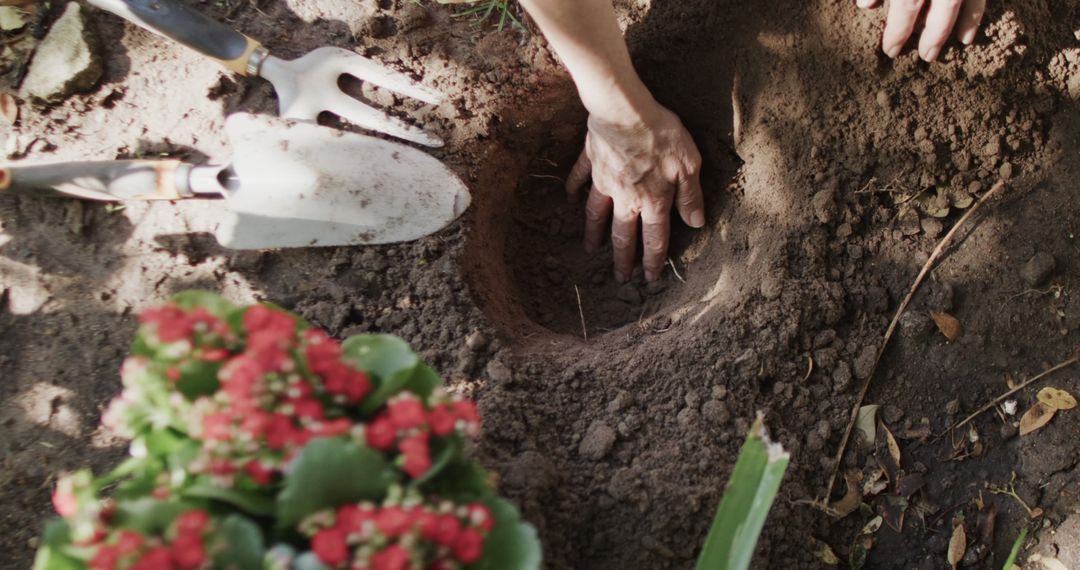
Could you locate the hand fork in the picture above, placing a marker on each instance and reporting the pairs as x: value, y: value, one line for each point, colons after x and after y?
x: 305, y: 86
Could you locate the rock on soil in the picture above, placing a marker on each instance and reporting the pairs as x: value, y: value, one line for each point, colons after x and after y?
x: 598, y: 441
x: 1037, y: 269
x: 66, y: 61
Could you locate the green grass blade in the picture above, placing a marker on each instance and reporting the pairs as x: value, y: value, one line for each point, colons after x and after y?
x: 1015, y: 550
x: 746, y: 502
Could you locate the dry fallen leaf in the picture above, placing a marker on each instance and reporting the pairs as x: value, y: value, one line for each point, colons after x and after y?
x: 894, y: 448
x: 957, y: 544
x: 851, y: 499
x: 1057, y: 399
x: 1038, y: 416
x: 948, y: 325
x: 9, y: 108
x: 866, y: 423
x: 825, y: 554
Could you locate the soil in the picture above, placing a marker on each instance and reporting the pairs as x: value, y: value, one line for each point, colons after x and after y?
x: 818, y: 152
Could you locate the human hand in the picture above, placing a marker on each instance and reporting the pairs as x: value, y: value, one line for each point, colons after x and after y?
x: 637, y: 169
x: 941, y: 17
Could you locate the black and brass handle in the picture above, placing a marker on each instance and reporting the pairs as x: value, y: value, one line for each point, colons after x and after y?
x: 237, y: 52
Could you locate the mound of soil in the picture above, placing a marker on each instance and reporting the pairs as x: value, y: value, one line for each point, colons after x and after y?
x: 613, y: 414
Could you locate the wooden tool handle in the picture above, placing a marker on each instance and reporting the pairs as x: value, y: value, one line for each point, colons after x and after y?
x: 107, y: 180
x: 176, y: 21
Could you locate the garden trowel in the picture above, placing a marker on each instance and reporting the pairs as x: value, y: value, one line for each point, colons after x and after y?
x: 290, y: 184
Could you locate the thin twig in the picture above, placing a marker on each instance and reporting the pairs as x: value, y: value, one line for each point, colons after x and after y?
x: 581, y: 312
x: 1024, y: 384
x: 546, y: 177
x: 675, y: 271
x: 934, y: 257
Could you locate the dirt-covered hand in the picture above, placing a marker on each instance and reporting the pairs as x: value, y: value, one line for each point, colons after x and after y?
x: 637, y: 170
x: 942, y: 17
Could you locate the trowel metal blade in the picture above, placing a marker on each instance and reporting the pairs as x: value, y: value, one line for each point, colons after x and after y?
x: 297, y: 184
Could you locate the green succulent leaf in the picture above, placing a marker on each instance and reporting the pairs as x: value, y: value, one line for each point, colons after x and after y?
x: 148, y: 516
x: 380, y: 355
x: 420, y: 380
x: 212, y: 302
x: 329, y: 472
x: 460, y: 479
x: 250, y: 502
x: 512, y: 544
x: 443, y: 452
x: 198, y: 378
x: 242, y: 543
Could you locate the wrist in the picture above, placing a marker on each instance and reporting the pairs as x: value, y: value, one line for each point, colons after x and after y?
x: 618, y: 101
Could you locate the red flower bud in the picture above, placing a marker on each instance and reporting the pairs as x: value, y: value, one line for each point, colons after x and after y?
x: 351, y: 518
x: 329, y: 546
x: 417, y: 455
x: 469, y: 546
x: 357, y: 386
x: 394, y: 521
x: 258, y: 472
x: 159, y: 558
x: 188, y: 551
x: 215, y: 355
x: 129, y: 542
x: 406, y: 412
x: 444, y: 531
x: 216, y: 427
x: 441, y: 420
x: 380, y: 434
x: 466, y: 410
x: 172, y: 373
x: 280, y: 432
x: 65, y: 503
x: 169, y: 322
x: 393, y: 557
x: 105, y: 558
x: 479, y: 515
x: 192, y: 522
x: 334, y: 427
x: 307, y: 409
x: 261, y: 318
x: 256, y: 423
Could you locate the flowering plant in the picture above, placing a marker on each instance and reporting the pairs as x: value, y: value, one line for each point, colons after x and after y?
x: 258, y: 441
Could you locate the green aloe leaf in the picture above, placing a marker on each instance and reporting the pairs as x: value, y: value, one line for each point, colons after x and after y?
x: 242, y: 544
x: 746, y: 502
x: 512, y: 544
x: 330, y: 472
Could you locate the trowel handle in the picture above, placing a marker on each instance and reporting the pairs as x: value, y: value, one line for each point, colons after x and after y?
x: 209, y: 37
x: 106, y: 180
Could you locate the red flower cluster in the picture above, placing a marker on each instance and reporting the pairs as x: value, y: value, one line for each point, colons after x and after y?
x: 172, y: 324
x: 269, y: 405
x: 409, y: 425
x: 129, y: 550
x: 423, y: 536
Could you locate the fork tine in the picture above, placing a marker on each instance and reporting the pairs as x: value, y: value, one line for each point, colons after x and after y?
x: 371, y: 118
x: 371, y: 71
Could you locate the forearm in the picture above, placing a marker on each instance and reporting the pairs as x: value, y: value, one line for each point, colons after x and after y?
x: 587, y: 37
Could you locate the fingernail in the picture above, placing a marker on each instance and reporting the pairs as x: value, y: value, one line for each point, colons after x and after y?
x: 621, y: 277
x: 651, y: 276
x: 697, y: 219
x: 892, y: 51
x: 865, y: 3
x: 968, y: 37
x: 931, y: 55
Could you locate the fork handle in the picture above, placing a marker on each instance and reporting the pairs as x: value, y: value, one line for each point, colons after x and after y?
x: 205, y: 35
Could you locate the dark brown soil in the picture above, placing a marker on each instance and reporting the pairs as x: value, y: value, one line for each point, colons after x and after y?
x: 617, y: 447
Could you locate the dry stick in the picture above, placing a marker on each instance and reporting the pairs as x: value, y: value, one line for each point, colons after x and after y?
x: 1024, y: 384
x: 934, y: 256
x: 584, y: 332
